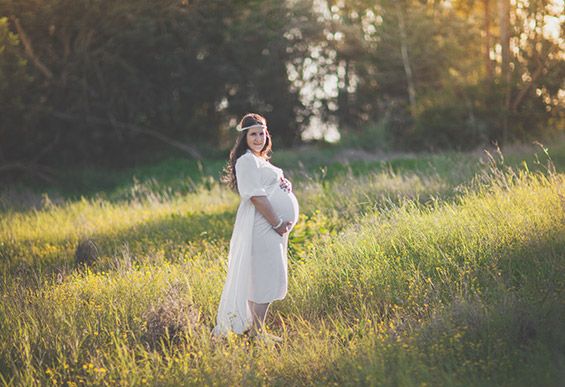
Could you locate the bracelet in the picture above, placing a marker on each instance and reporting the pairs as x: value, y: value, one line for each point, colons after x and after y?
x: 278, y: 224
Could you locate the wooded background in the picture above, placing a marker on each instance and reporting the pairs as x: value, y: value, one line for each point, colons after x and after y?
x: 97, y: 81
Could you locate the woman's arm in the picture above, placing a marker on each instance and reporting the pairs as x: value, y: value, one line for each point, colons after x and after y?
x: 263, y: 205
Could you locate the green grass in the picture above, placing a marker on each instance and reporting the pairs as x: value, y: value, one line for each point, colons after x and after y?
x: 178, y: 176
x: 435, y: 270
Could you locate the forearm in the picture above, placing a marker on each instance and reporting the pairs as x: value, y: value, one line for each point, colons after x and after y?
x: 263, y: 205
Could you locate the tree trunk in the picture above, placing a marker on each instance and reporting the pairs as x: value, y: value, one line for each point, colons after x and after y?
x: 343, y: 94
x: 405, y: 57
x: 504, y: 21
x: 488, y: 63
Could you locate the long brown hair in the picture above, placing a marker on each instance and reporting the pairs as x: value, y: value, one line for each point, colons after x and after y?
x: 240, y: 147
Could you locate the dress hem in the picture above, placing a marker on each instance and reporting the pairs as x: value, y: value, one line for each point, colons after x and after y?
x: 268, y: 302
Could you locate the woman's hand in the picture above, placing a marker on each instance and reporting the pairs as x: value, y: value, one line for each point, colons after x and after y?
x: 285, y: 184
x: 284, y: 228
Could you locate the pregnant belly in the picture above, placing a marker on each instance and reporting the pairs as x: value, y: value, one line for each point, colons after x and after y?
x: 285, y: 205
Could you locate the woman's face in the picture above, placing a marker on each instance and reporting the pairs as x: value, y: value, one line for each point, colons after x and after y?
x: 256, y: 139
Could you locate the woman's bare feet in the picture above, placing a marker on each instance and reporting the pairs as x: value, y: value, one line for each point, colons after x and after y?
x: 263, y: 336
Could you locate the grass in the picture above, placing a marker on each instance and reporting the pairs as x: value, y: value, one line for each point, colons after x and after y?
x: 430, y: 271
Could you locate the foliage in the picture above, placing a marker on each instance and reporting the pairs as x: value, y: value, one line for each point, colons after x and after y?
x: 375, y: 136
x: 107, y: 81
x: 429, y: 72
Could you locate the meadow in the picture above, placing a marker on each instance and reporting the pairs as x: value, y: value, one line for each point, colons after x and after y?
x: 439, y: 269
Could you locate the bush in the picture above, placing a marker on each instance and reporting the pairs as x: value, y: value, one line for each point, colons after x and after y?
x: 374, y: 136
x: 448, y: 127
x: 170, y: 318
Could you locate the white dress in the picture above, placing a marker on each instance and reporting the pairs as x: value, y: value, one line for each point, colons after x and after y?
x: 257, y: 261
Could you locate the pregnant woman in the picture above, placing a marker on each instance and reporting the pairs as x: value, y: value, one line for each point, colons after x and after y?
x: 257, y: 260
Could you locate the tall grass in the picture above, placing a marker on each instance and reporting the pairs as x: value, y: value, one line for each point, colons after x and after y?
x: 395, y: 279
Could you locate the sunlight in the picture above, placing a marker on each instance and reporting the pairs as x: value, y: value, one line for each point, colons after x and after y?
x: 552, y: 24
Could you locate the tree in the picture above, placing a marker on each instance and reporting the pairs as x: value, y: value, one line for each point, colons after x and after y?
x: 106, y: 80
x: 432, y: 72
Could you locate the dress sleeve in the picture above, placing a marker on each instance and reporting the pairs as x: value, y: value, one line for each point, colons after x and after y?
x: 248, y: 177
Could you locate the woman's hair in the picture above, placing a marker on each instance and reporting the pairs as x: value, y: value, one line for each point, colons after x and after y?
x: 240, y: 147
